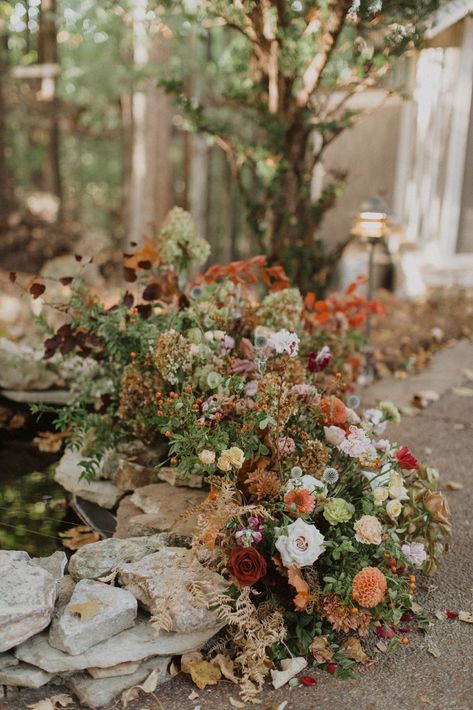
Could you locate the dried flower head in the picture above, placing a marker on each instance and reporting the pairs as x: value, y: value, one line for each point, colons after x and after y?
x: 263, y: 484
x: 314, y: 459
x: 172, y: 354
x: 343, y: 618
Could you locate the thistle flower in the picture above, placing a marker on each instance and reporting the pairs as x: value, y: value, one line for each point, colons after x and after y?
x: 330, y: 476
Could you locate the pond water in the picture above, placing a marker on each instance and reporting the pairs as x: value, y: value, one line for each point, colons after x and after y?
x: 33, y: 507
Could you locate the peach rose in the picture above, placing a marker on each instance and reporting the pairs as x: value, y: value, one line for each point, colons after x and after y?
x: 436, y: 504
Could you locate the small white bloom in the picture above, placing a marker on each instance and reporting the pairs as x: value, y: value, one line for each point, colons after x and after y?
x: 309, y: 483
x: 282, y: 341
x: 414, y: 553
x: 207, y: 457
x: 334, y: 434
x: 356, y: 443
x: 352, y: 416
x: 302, y: 545
x: 394, y: 508
x: 396, y: 487
x: 380, y: 494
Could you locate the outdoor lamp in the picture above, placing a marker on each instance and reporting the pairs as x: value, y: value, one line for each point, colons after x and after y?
x: 371, y: 226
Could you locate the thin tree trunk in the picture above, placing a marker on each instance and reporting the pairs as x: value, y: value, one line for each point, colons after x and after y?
x: 150, y: 188
x: 48, y: 54
x: 7, y: 201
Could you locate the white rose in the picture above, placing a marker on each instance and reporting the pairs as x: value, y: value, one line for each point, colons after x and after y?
x: 334, y: 434
x: 396, y: 487
x: 302, y: 545
x: 380, y: 495
x: 393, y: 509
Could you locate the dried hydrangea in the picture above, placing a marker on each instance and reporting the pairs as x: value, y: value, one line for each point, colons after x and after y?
x: 282, y: 310
x: 315, y: 458
x: 179, y: 243
x: 172, y: 355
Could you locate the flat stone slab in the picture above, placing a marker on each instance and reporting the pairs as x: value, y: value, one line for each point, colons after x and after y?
x: 24, y: 676
x: 168, y: 504
x: 68, y: 474
x: 120, y: 669
x: 160, y: 583
x: 94, y: 693
x: 98, y: 559
x: 95, y: 612
x: 7, y: 660
x: 133, y: 644
x: 27, y: 597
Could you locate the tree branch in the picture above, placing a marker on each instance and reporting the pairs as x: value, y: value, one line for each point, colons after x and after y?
x: 330, y: 33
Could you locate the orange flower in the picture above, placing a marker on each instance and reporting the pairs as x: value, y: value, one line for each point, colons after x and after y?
x: 333, y: 410
x: 369, y: 587
x: 299, y: 501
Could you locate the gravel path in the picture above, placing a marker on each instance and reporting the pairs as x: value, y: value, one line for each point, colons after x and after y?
x: 412, y: 677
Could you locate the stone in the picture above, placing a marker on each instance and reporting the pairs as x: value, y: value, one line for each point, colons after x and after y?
x: 7, y: 660
x: 95, y: 612
x: 27, y: 597
x: 125, y: 511
x: 127, y: 474
x: 24, y: 676
x: 160, y: 583
x: 22, y: 368
x: 95, y: 693
x: 98, y: 559
x: 55, y: 564
x: 133, y: 644
x: 149, y: 524
x: 168, y: 504
x: 172, y: 475
x: 126, y: 668
x: 68, y: 474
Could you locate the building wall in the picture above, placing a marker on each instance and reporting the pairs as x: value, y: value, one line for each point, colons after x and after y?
x: 368, y: 152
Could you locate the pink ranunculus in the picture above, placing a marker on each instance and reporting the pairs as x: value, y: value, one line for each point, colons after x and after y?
x: 286, y: 446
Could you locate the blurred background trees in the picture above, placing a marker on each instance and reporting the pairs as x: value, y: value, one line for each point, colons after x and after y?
x: 111, y: 112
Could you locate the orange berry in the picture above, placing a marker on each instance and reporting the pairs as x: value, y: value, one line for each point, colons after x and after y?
x: 189, y: 388
x: 412, y: 578
x: 386, y: 555
x: 160, y: 413
x: 159, y: 394
x: 354, y: 610
x: 174, y: 460
x: 404, y: 640
x: 390, y: 605
x: 167, y: 434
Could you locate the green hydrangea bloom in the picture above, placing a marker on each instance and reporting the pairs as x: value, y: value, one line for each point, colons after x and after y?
x: 282, y: 310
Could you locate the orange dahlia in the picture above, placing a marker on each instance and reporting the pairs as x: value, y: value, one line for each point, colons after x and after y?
x: 369, y: 587
x: 299, y: 501
x: 333, y: 410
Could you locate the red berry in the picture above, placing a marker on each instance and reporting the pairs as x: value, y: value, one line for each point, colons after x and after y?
x: 406, y: 617
x: 451, y: 614
x: 307, y: 680
x: 331, y: 668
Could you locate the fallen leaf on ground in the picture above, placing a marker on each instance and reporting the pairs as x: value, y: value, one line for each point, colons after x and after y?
x: 193, y: 695
x: 86, y: 610
x: 426, y: 701
x: 423, y: 398
x: 466, y: 616
x: 77, y: 537
x: 49, y: 441
x: 226, y: 666
x: 463, y: 391
x: 416, y: 608
x: 452, y: 486
x: 321, y: 650
x: 187, y: 659
x: 353, y: 650
x: 204, y: 673
x: 381, y: 647
x: 52, y: 703
x: 433, y: 649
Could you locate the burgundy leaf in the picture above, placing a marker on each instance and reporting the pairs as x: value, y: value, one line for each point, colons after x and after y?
x: 66, y: 280
x: 145, y: 264
x: 12, y: 276
x: 152, y: 292
x: 129, y: 274
x: 36, y: 289
x: 77, y: 257
x: 144, y: 309
x: 128, y: 299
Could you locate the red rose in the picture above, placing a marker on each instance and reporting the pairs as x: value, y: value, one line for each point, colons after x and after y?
x: 406, y: 460
x: 247, y: 565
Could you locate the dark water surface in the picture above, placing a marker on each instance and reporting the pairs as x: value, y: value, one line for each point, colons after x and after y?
x: 33, y: 507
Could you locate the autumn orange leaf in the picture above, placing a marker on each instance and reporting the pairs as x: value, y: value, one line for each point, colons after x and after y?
x: 303, y: 596
x: 148, y: 252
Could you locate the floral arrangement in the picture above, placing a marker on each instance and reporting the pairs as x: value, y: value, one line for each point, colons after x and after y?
x: 319, y: 523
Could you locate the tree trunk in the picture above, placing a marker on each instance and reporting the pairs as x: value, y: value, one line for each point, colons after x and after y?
x: 7, y: 201
x: 150, y: 188
x: 48, y: 54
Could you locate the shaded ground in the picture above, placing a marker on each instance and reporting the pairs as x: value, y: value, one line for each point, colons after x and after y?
x: 412, y: 677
